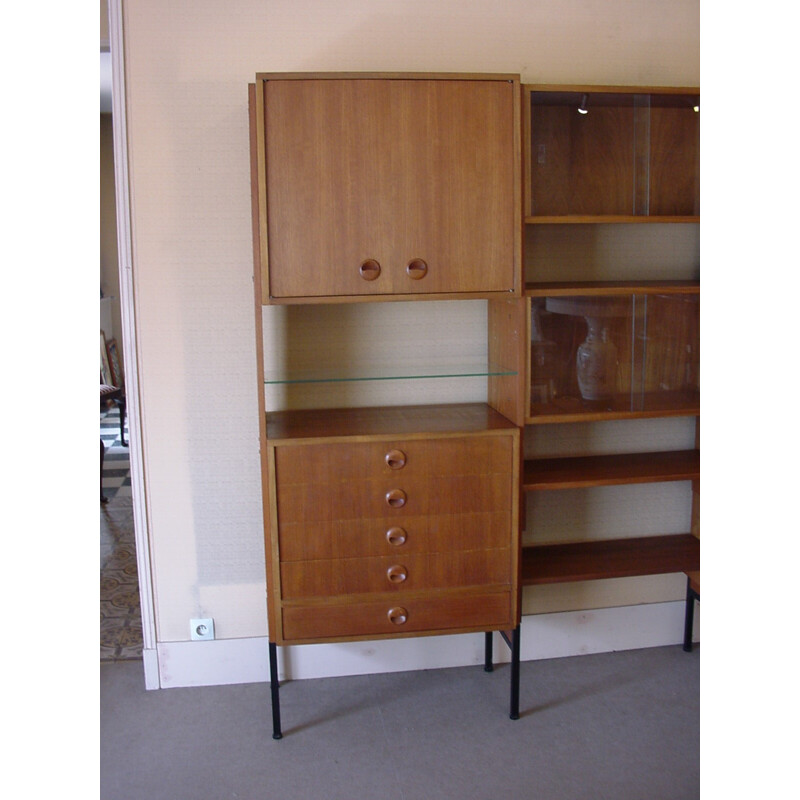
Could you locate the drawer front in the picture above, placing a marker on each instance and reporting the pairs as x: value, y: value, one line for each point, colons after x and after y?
x: 350, y: 576
x: 392, y: 498
x: 342, y: 462
x: 397, y: 617
x: 337, y: 538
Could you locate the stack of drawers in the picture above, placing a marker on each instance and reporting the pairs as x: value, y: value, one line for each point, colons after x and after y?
x: 379, y: 537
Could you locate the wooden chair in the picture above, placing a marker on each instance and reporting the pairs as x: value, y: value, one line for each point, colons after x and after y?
x: 112, y: 391
x: 111, y: 394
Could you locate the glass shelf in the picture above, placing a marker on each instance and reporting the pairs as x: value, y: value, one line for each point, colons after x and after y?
x: 386, y: 373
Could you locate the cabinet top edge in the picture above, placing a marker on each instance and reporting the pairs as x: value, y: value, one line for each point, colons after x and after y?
x: 589, y: 88
x: 463, y: 76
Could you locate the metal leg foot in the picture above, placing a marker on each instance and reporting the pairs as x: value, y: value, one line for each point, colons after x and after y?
x: 274, y: 687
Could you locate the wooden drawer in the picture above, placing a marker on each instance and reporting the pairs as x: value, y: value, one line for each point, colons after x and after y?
x: 392, y: 498
x: 441, y: 533
x: 407, y: 573
x: 398, y: 617
x: 342, y: 462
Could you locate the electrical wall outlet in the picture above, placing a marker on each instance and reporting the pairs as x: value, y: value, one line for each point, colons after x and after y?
x: 201, y: 629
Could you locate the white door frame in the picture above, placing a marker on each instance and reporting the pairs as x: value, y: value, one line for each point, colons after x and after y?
x: 129, y: 342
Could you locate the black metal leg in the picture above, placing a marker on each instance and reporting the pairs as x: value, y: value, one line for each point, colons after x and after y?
x: 514, y: 711
x: 688, y: 623
x: 513, y: 644
x: 488, y: 666
x: 274, y: 687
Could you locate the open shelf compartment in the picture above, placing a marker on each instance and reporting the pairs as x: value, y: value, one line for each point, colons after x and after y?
x: 615, y: 558
x: 610, y: 470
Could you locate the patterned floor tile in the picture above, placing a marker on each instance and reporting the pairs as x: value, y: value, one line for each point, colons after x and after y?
x: 120, y: 609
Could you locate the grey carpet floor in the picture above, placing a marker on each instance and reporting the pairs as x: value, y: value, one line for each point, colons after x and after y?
x: 613, y: 725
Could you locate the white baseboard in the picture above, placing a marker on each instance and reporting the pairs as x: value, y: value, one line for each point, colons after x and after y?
x: 572, y: 633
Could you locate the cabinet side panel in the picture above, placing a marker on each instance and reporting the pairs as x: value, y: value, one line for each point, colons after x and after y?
x: 507, y: 326
x: 272, y: 617
x: 271, y: 546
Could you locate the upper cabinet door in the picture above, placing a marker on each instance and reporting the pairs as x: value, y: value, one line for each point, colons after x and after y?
x: 388, y: 186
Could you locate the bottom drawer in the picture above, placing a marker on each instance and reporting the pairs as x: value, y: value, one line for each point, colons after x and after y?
x: 398, y: 616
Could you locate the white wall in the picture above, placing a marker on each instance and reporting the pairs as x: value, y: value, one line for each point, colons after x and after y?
x: 188, y: 63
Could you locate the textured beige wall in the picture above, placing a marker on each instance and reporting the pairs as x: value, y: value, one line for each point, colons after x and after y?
x: 188, y: 65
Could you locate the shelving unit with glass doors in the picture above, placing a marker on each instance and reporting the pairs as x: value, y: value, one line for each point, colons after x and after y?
x: 611, y: 206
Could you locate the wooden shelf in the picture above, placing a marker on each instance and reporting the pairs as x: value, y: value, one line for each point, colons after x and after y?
x: 607, y: 219
x: 652, y: 404
x: 610, y: 470
x: 389, y: 421
x: 609, y: 288
x: 617, y: 558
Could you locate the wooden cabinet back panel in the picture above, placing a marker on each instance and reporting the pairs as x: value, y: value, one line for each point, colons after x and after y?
x: 582, y: 164
x: 432, y: 614
x: 439, y: 533
x: 674, y: 161
x: 407, y: 573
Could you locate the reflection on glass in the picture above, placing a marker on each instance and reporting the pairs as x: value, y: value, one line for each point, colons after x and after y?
x: 637, y: 353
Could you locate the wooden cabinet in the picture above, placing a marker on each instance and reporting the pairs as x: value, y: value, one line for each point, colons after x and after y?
x: 616, y: 349
x: 385, y: 186
x: 410, y: 529
x: 394, y: 521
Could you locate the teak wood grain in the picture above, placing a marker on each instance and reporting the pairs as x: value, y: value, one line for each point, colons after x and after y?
x: 386, y: 173
x: 452, y: 494
x: 430, y: 533
x: 431, y: 613
x: 618, y: 558
x: 633, y: 157
x: 393, y: 459
x: 642, y: 406
x: 360, y: 424
x: 608, y: 470
x: 342, y: 537
x: 609, y: 288
x: 425, y: 571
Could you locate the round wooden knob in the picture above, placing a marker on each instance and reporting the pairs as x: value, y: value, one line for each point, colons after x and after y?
x: 397, y: 616
x: 396, y: 536
x: 396, y: 498
x: 370, y: 269
x: 397, y: 573
x: 396, y: 459
x: 417, y: 269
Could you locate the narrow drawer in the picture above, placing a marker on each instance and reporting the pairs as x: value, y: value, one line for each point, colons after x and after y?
x: 392, y: 497
x: 349, y: 576
x: 397, y: 617
x: 336, y: 538
x: 424, y: 458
